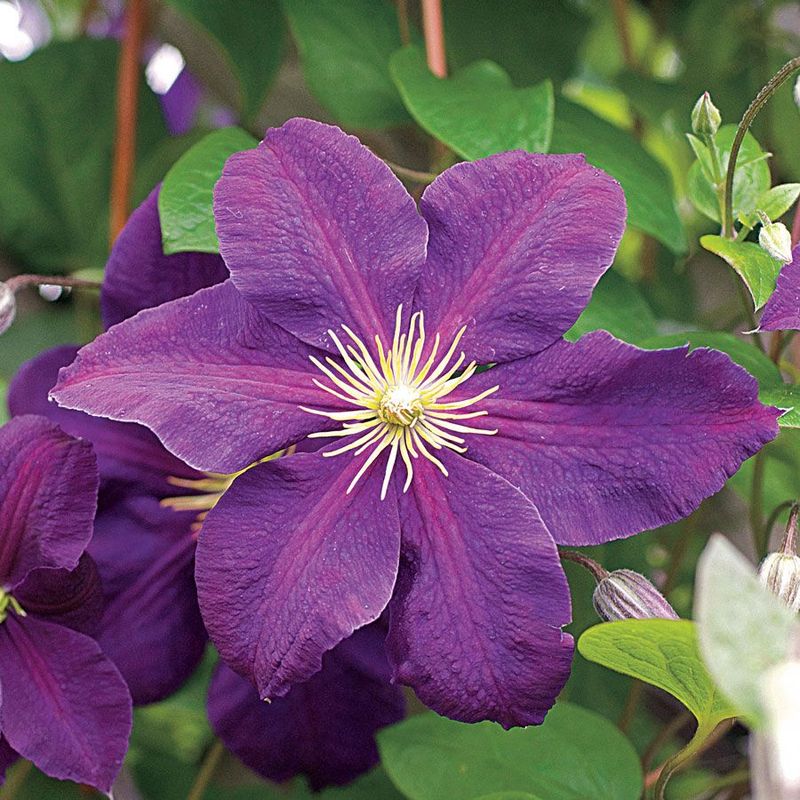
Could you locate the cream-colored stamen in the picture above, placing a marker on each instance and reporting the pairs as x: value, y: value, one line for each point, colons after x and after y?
x: 399, y: 402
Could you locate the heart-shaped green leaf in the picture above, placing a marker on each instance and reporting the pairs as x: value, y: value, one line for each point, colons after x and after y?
x: 478, y: 111
x: 663, y: 653
x: 574, y: 755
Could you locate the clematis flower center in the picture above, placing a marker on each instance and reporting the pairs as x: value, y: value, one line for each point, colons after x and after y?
x: 9, y: 604
x: 399, y: 398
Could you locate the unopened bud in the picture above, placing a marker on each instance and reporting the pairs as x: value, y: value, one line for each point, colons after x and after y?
x: 775, y: 239
x: 706, y: 118
x: 780, y: 573
x: 625, y: 594
x: 8, y: 307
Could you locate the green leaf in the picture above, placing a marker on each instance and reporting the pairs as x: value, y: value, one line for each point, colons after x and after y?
x: 742, y: 352
x: 617, y: 307
x: 575, y: 754
x: 517, y: 34
x: 508, y: 796
x: 787, y: 397
x: 743, y: 628
x: 648, y: 188
x: 757, y: 268
x: 775, y: 202
x: 477, y: 112
x: 251, y: 37
x: 345, y: 50
x: 663, y: 653
x: 750, y: 182
x: 56, y: 144
x: 186, y: 196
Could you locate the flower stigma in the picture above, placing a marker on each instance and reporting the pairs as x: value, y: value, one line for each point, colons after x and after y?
x: 399, y: 399
x: 9, y: 604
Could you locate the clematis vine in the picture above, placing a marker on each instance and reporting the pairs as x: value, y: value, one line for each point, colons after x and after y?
x: 474, y: 437
x: 63, y: 704
x: 151, y: 510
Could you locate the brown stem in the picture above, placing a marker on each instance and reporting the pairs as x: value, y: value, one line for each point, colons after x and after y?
x: 632, y: 701
x: 589, y: 564
x: 207, y: 770
x: 412, y: 174
x: 433, y: 31
x: 402, y: 22
x: 663, y: 736
x: 18, y: 282
x: 789, y: 544
x: 127, y: 108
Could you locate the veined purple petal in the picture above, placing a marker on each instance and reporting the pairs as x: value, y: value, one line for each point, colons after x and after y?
x: 289, y: 565
x: 138, y: 274
x: 324, y: 728
x: 782, y: 312
x: 125, y: 452
x: 608, y: 440
x: 64, y: 705
x: 151, y: 628
x: 219, y: 384
x: 48, y: 497
x: 517, y: 243
x: 481, y: 598
x: 7, y: 755
x: 317, y: 232
x: 67, y: 597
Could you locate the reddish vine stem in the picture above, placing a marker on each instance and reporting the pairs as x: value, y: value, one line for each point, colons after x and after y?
x: 127, y: 110
x: 402, y: 22
x: 18, y: 282
x: 433, y: 31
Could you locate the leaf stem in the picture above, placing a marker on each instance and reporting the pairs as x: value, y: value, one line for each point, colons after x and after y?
x: 757, y: 506
x: 433, y: 31
x: 207, y: 770
x: 760, y: 100
x: 411, y: 174
x: 127, y: 110
x: 598, y: 571
x: 17, y: 282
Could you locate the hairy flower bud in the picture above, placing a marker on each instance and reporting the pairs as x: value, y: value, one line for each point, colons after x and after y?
x: 780, y: 573
x: 625, y: 594
x: 8, y: 307
x: 775, y: 239
x: 706, y: 118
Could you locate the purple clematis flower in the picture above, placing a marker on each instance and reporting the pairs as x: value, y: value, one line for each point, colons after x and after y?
x: 63, y: 704
x: 782, y: 312
x: 447, y: 488
x: 324, y: 728
x: 146, y: 531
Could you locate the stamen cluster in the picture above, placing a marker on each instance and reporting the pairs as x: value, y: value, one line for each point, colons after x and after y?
x: 398, y: 399
x: 9, y: 604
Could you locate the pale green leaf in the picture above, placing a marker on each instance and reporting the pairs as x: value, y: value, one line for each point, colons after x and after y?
x: 663, y: 653
x: 757, y: 268
x: 775, y: 202
x: 743, y: 629
x: 786, y: 397
x: 186, y: 196
x: 576, y: 754
x: 478, y: 111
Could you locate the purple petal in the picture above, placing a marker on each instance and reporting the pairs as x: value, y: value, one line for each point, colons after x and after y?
x: 288, y: 565
x: 181, y: 103
x: 324, y: 728
x: 7, y: 756
x: 218, y: 384
x: 72, y: 598
x: 138, y: 274
x: 317, y: 232
x: 151, y: 628
x: 480, y: 600
x: 64, y: 705
x: 48, y: 497
x: 125, y: 452
x: 782, y: 312
x: 517, y: 243
x: 609, y: 440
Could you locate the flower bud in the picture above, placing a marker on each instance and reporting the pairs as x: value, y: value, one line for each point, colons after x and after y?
x: 780, y: 573
x: 625, y: 594
x: 775, y: 239
x: 706, y: 118
x: 8, y: 307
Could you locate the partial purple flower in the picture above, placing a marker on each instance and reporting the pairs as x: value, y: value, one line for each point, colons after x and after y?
x: 63, y: 704
x: 324, y: 728
x: 782, y: 312
x: 146, y: 527
x: 446, y: 488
